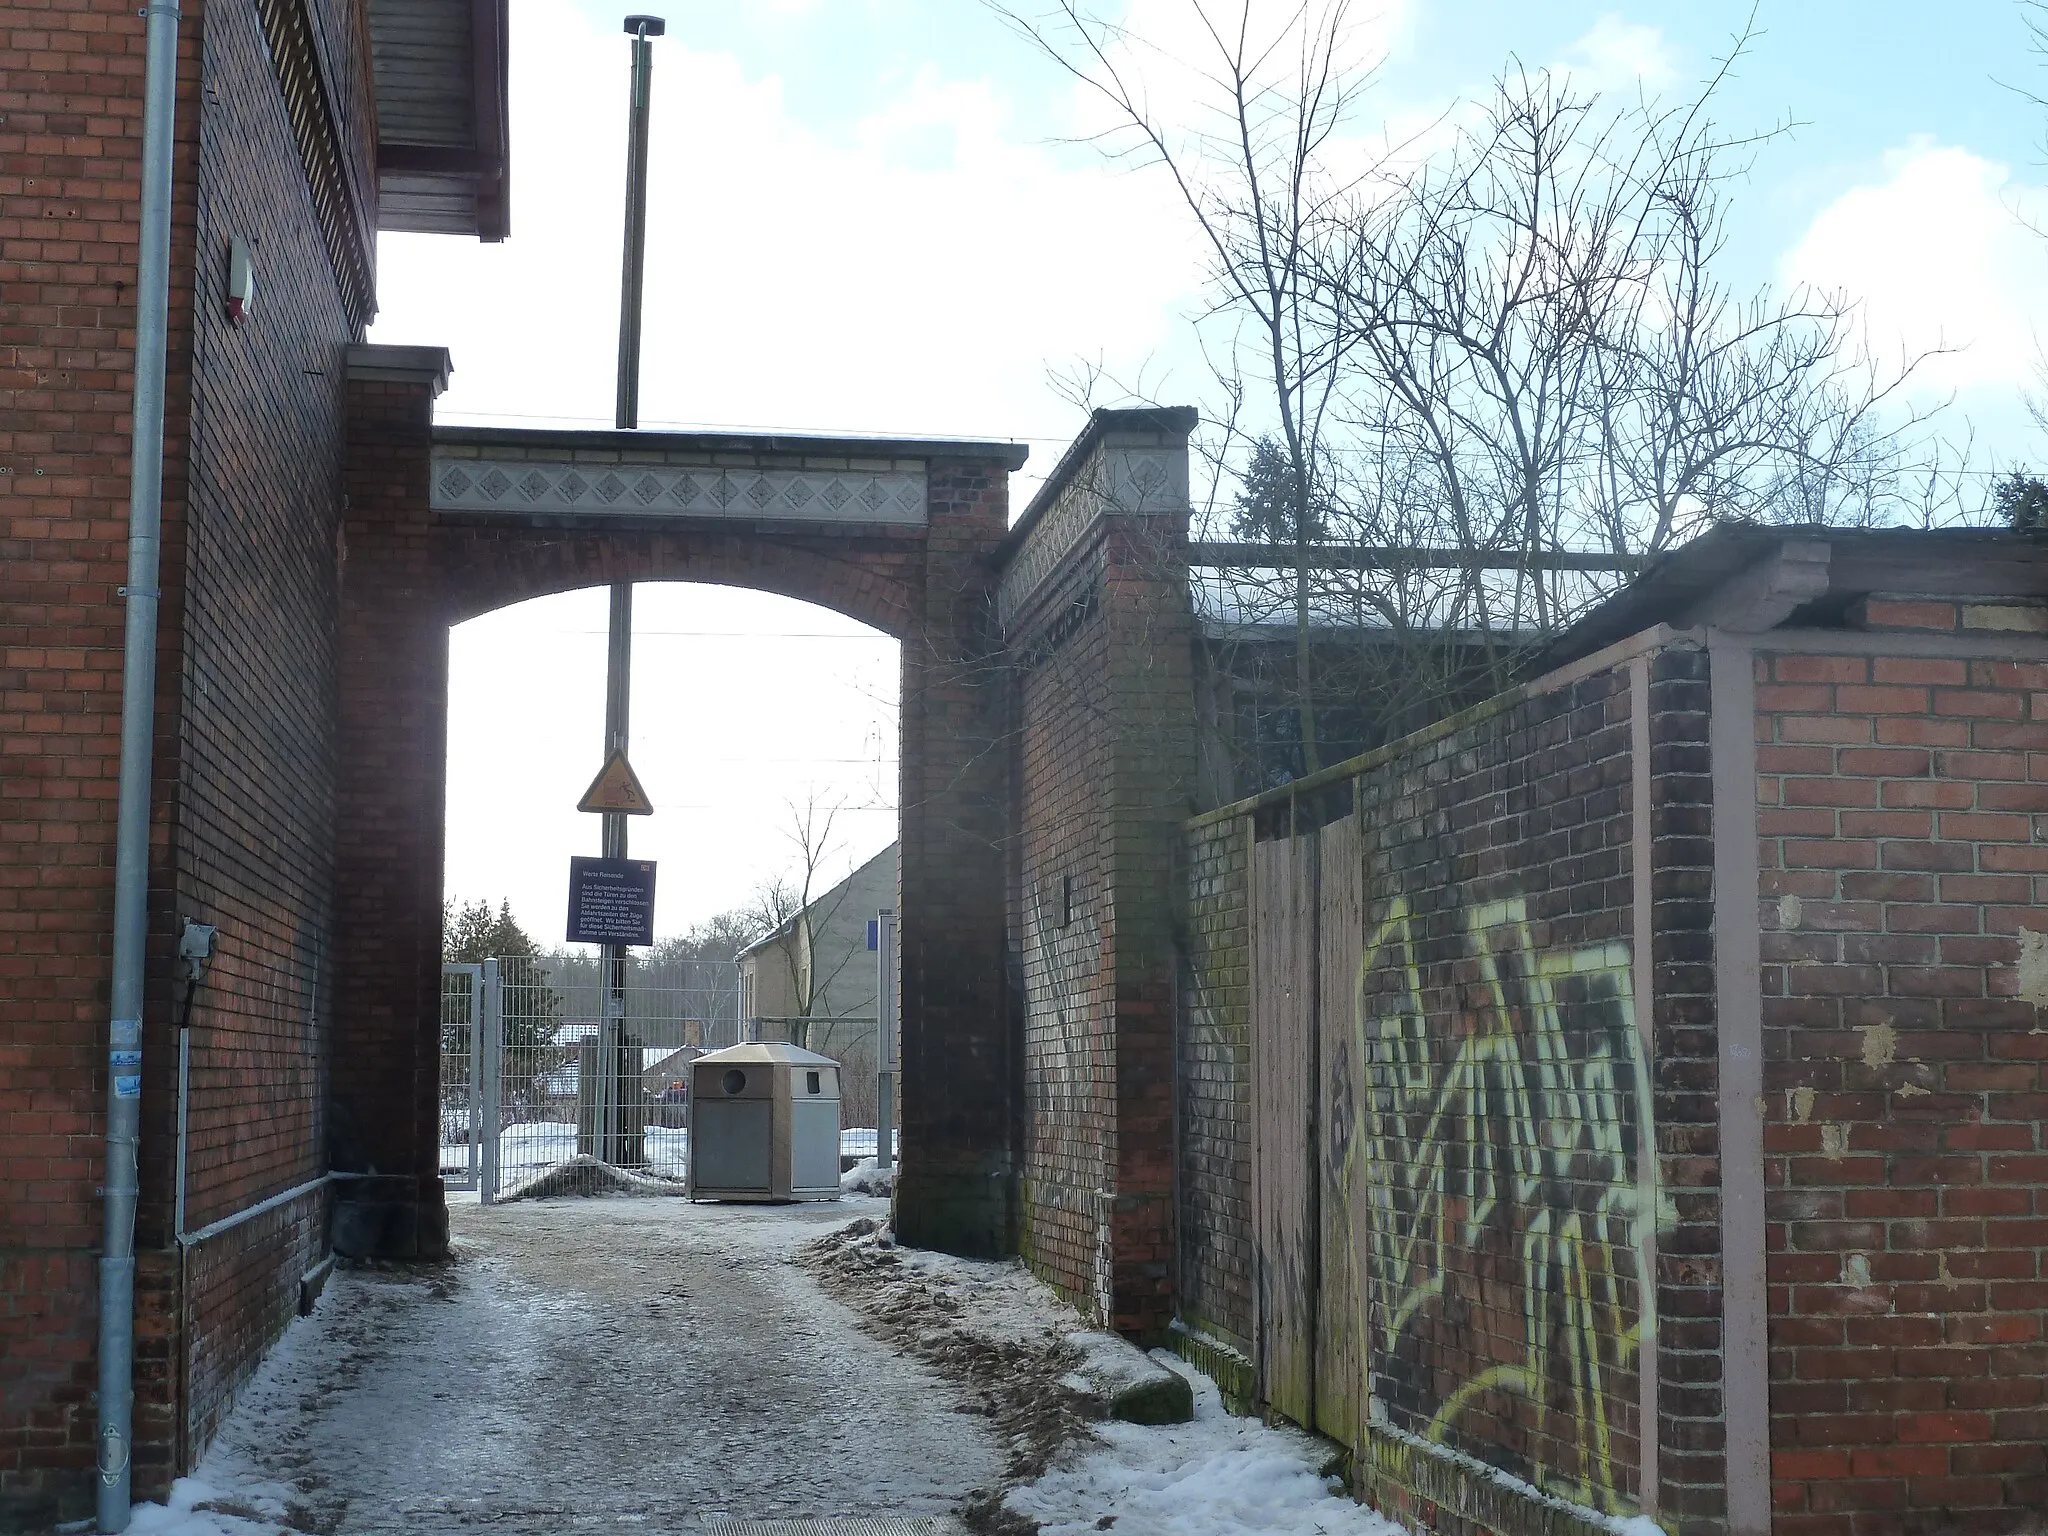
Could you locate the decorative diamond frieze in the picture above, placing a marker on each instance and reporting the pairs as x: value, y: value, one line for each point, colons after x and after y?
x: 528, y: 486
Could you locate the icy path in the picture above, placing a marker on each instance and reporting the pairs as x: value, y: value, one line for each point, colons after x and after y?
x: 609, y: 1364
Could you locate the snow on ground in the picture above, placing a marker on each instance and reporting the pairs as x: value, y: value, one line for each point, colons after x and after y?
x: 585, y: 1367
x: 534, y: 1146
x: 197, y: 1508
x: 864, y: 1178
x: 1219, y: 1476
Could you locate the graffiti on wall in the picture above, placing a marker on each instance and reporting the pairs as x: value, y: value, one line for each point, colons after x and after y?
x: 1488, y: 1140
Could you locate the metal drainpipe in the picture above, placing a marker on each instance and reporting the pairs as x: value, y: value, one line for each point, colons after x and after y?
x: 138, y: 724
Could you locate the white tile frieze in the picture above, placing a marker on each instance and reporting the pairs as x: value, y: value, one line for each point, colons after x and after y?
x: 591, y: 487
x: 1116, y: 480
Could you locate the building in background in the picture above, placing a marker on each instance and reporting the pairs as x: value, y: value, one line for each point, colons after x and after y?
x: 810, y: 979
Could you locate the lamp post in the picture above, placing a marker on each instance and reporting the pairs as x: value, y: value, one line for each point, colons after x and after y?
x: 610, y: 1130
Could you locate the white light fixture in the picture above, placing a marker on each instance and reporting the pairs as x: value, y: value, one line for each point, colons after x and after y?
x: 241, y: 281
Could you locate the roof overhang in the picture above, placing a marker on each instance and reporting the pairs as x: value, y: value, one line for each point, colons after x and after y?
x: 1749, y: 578
x: 443, y: 120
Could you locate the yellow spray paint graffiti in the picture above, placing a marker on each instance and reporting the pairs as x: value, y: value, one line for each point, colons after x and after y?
x: 1488, y: 1143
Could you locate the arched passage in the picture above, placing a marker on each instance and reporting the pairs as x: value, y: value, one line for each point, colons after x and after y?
x: 446, y: 524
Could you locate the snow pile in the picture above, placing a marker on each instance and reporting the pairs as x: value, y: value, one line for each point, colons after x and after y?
x: 1217, y: 1476
x: 587, y: 1175
x: 199, y: 1509
x: 864, y: 1178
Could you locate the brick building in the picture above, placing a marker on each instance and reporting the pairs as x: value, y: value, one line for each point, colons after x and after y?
x: 1621, y: 1097
x: 301, y: 128
x: 1625, y: 1096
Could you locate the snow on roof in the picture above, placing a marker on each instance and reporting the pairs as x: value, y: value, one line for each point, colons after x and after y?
x: 774, y: 1052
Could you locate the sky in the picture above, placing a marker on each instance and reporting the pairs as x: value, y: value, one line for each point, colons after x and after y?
x: 873, y: 216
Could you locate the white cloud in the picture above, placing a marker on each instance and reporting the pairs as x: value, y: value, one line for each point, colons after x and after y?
x: 1616, y: 54
x: 743, y: 704
x: 914, y: 273
x: 1937, y: 251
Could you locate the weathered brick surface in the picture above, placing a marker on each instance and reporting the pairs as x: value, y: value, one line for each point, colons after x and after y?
x: 1217, y: 1260
x: 244, y: 1288
x: 1691, y: 1461
x: 1491, y: 1157
x: 1901, y: 806
x: 960, y: 1067
x: 1100, y: 638
x: 1063, y: 922
x: 257, y: 738
x: 70, y: 130
x: 1486, y: 1098
x: 241, y: 812
x: 408, y: 576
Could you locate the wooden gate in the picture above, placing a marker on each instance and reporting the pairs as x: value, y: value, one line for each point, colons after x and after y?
x: 1307, y: 929
x: 1283, y: 1052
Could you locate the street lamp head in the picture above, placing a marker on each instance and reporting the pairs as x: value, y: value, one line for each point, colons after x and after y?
x: 646, y: 26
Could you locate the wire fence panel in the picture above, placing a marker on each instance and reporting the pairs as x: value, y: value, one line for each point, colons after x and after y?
x: 523, y: 1039
x: 552, y: 1018
x: 460, y: 1099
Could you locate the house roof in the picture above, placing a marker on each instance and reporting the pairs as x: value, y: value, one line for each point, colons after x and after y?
x: 830, y: 899
x: 439, y: 71
x: 773, y: 1052
x: 1752, y: 577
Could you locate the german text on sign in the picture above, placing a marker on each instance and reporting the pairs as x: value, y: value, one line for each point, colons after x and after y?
x: 611, y: 901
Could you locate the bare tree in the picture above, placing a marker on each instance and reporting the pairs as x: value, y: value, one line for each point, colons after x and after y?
x: 1474, y: 382
x: 1253, y: 177
x: 797, y: 910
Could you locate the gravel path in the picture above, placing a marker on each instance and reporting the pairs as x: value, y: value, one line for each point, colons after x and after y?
x: 609, y: 1364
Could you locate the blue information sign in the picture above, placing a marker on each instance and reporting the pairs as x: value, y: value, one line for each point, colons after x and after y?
x: 611, y: 901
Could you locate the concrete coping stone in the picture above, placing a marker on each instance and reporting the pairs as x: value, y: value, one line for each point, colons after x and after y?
x: 401, y: 365
x: 683, y: 458
x: 782, y: 448
x: 1126, y: 1382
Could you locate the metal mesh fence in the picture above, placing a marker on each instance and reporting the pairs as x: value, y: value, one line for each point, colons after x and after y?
x: 520, y: 1034
x: 460, y: 1098
x: 551, y: 1013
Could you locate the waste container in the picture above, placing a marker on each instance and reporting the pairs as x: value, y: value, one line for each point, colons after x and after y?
x: 764, y: 1124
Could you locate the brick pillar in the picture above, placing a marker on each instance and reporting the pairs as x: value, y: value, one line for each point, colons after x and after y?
x: 1094, y: 604
x: 393, y: 729
x: 958, y: 1187
x: 1152, y: 756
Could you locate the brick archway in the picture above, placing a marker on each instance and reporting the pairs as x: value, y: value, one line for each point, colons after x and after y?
x: 875, y: 580
x: 445, y: 524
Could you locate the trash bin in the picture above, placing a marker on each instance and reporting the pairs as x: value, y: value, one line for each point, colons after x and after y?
x: 764, y: 1124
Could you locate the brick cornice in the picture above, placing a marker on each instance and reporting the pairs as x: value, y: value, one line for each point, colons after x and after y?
x: 339, y: 203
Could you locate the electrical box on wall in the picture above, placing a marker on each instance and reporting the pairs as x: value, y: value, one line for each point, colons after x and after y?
x: 241, y: 281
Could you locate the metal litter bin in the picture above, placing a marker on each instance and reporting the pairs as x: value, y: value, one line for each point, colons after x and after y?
x: 764, y: 1124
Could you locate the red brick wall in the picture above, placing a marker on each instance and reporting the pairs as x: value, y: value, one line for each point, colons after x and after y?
x: 392, y: 723
x: 1099, y: 637
x: 1903, y: 800
x: 1692, y: 1433
x: 1478, y: 1014
x: 407, y: 577
x: 1215, y: 1284
x: 957, y: 1190
x: 70, y: 138
x: 244, y: 737
x: 1488, y: 1171
x: 243, y: 1289
x: 1062, y: 924
x: 256, y: 796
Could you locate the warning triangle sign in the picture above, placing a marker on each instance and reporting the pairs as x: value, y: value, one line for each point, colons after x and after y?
x: 617, y: 788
